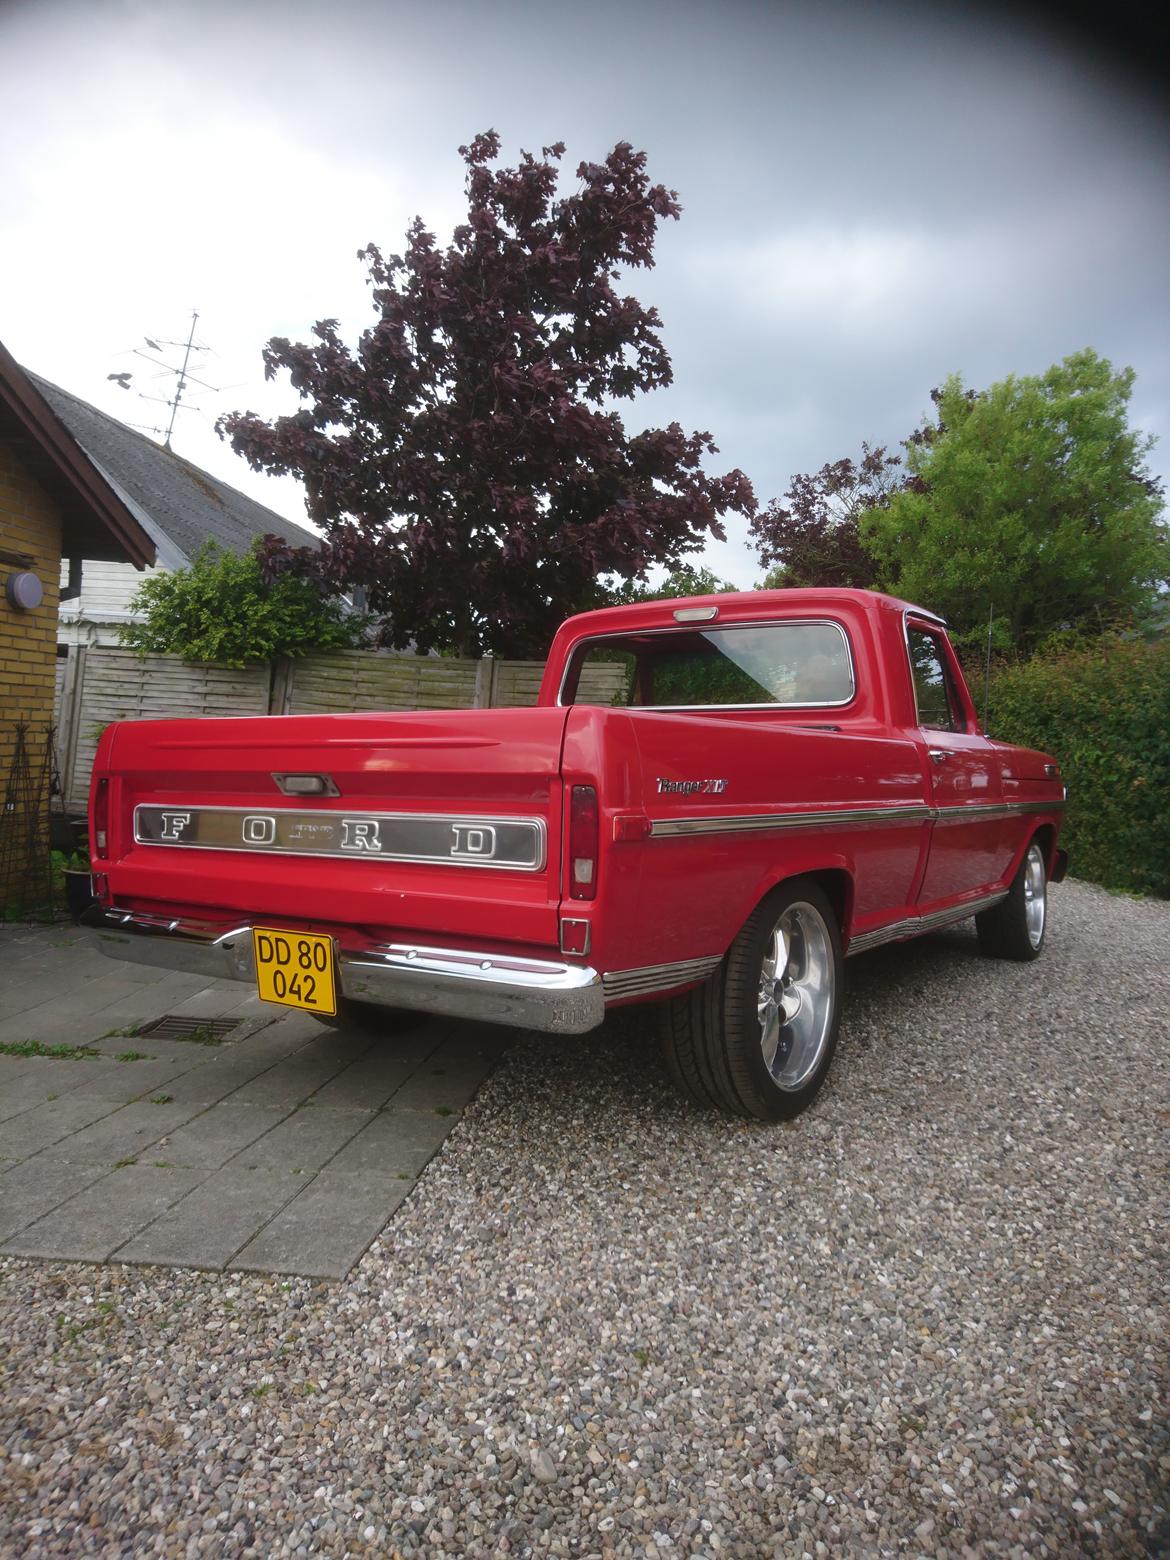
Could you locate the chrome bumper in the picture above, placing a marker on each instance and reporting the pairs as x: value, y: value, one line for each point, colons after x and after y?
x: 542, y: 994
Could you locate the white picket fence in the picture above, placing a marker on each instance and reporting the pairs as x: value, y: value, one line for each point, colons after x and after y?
x: 97, y: 684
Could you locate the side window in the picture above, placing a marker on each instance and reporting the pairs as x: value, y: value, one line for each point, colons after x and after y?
x: 938, y: 703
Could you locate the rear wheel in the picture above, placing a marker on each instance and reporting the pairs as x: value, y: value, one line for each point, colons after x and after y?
x: 1014, y: 928
x: 758, y: 1038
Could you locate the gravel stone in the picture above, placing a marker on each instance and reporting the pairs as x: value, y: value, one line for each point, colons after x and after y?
x: 927, y: 1318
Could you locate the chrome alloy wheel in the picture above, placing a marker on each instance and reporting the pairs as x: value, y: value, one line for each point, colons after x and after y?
x: 797, y: 996
x: 1035, y: 894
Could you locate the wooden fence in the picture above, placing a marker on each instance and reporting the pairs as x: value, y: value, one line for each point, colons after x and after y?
x: 97, y: 684
x: 105, y: 683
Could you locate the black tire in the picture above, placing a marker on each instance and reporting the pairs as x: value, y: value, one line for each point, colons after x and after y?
x: 716, y: 1039
x: 1015, y: 928
x: 370, y: 1018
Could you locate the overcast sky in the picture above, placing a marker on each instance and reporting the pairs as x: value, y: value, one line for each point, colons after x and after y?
x: 874, y: 195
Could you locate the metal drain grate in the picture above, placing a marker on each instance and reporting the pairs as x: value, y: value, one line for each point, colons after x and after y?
x: 203, y: 1031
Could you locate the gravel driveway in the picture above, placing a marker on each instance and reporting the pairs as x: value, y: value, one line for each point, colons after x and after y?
x: 928, y: 1318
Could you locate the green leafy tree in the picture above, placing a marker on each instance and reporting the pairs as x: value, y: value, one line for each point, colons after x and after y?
x: 687, y: 580
x: 1032, y: 500
x: 221, y: 609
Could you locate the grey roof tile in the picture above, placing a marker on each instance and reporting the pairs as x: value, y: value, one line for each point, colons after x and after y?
x: 187, y: 504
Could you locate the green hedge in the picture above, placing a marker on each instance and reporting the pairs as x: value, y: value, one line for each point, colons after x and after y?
x: 1104, y: 711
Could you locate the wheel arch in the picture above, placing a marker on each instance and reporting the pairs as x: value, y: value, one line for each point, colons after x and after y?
x: 1045, y: 837
x: 835, y: 882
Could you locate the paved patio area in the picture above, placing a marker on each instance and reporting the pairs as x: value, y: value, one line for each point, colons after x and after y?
x: 284, y: 1148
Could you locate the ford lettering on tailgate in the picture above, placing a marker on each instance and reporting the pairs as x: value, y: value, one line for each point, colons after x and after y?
x: 517, y: 843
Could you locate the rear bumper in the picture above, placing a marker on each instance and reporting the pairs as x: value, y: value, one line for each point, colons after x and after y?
x: 496, y: 988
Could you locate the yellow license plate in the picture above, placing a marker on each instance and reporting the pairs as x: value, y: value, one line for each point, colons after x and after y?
x: 298, y: 969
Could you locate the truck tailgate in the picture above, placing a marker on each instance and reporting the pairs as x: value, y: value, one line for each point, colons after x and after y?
x: 445, y: 823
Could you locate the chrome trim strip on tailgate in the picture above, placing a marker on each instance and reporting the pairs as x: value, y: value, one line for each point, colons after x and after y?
x: 541, y: 994
x: 433, y: 839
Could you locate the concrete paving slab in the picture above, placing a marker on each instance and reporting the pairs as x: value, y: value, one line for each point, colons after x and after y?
x: 210, y: 1225
x: 214, y: 1080
x: 434, y: 1087
x: 395, y: 1142
x: 191, y: 1198
x: 222, y: 1070
x: 214, y: 1136
x: 93, y: 1224
x: 217, y: 1001
x: 304, y: 1140
x: 36, y: 1086
x: 369, y: 1082
x: 125, y: 1133
x: 113, y: 1045
x: 49, y: 1123
x: 36, y: 1186
x: 323, y: 1232
x: 121, y: 1082
x: 291, y: 1080
x: 12, y: 1066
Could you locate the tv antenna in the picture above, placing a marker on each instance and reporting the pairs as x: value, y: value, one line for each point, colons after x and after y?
x: 182, y: 375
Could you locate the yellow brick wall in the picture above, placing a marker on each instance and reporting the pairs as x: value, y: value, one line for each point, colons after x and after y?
x: 30, y: 523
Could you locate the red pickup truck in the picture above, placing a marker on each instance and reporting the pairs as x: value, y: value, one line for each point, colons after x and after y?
x: 713, y: 802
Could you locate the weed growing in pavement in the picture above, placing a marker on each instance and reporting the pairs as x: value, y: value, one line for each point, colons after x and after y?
x: 120, y: 1164
x: 443, y: 1110
x: 131, y: 1032
x: 134, y: 1056
x: 203, y: 1034
x: 161, y: 1099
x: 61, y: 1053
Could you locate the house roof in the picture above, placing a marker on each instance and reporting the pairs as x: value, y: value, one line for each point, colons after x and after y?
x: 96, y: 520
x: 181, y: 505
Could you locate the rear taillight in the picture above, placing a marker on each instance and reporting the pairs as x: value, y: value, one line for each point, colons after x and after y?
x: 99, y: 845
x: 583, y: 838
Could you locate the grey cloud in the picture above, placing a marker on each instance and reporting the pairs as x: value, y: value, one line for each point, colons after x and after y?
x: 873, y: 196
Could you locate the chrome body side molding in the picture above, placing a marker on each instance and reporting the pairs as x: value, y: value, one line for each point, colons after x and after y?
x: 914, y: 925
x: 911, y: 812
x: 751, y: 823
x: 620, y: 984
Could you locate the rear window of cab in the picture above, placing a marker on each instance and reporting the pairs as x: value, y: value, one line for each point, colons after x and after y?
x: 800, y: 664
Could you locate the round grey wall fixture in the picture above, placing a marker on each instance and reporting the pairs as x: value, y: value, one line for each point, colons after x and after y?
x: 24, y: 590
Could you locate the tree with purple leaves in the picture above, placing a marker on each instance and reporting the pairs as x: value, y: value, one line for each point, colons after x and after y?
x: 466, y: 462
x: 813, y: 537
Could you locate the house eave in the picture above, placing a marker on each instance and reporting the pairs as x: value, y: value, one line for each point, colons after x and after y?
x: 97, y: 521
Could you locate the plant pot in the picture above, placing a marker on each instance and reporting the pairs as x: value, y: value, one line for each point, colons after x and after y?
x: 62, y: 833
x: 79, y: 894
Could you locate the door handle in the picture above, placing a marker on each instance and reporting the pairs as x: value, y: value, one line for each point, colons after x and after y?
x: 938, y: 755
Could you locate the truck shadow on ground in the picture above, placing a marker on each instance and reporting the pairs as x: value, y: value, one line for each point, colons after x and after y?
x: 618, y: 1067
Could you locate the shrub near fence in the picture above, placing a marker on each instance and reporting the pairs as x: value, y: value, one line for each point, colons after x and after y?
x: 1104, y: 711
